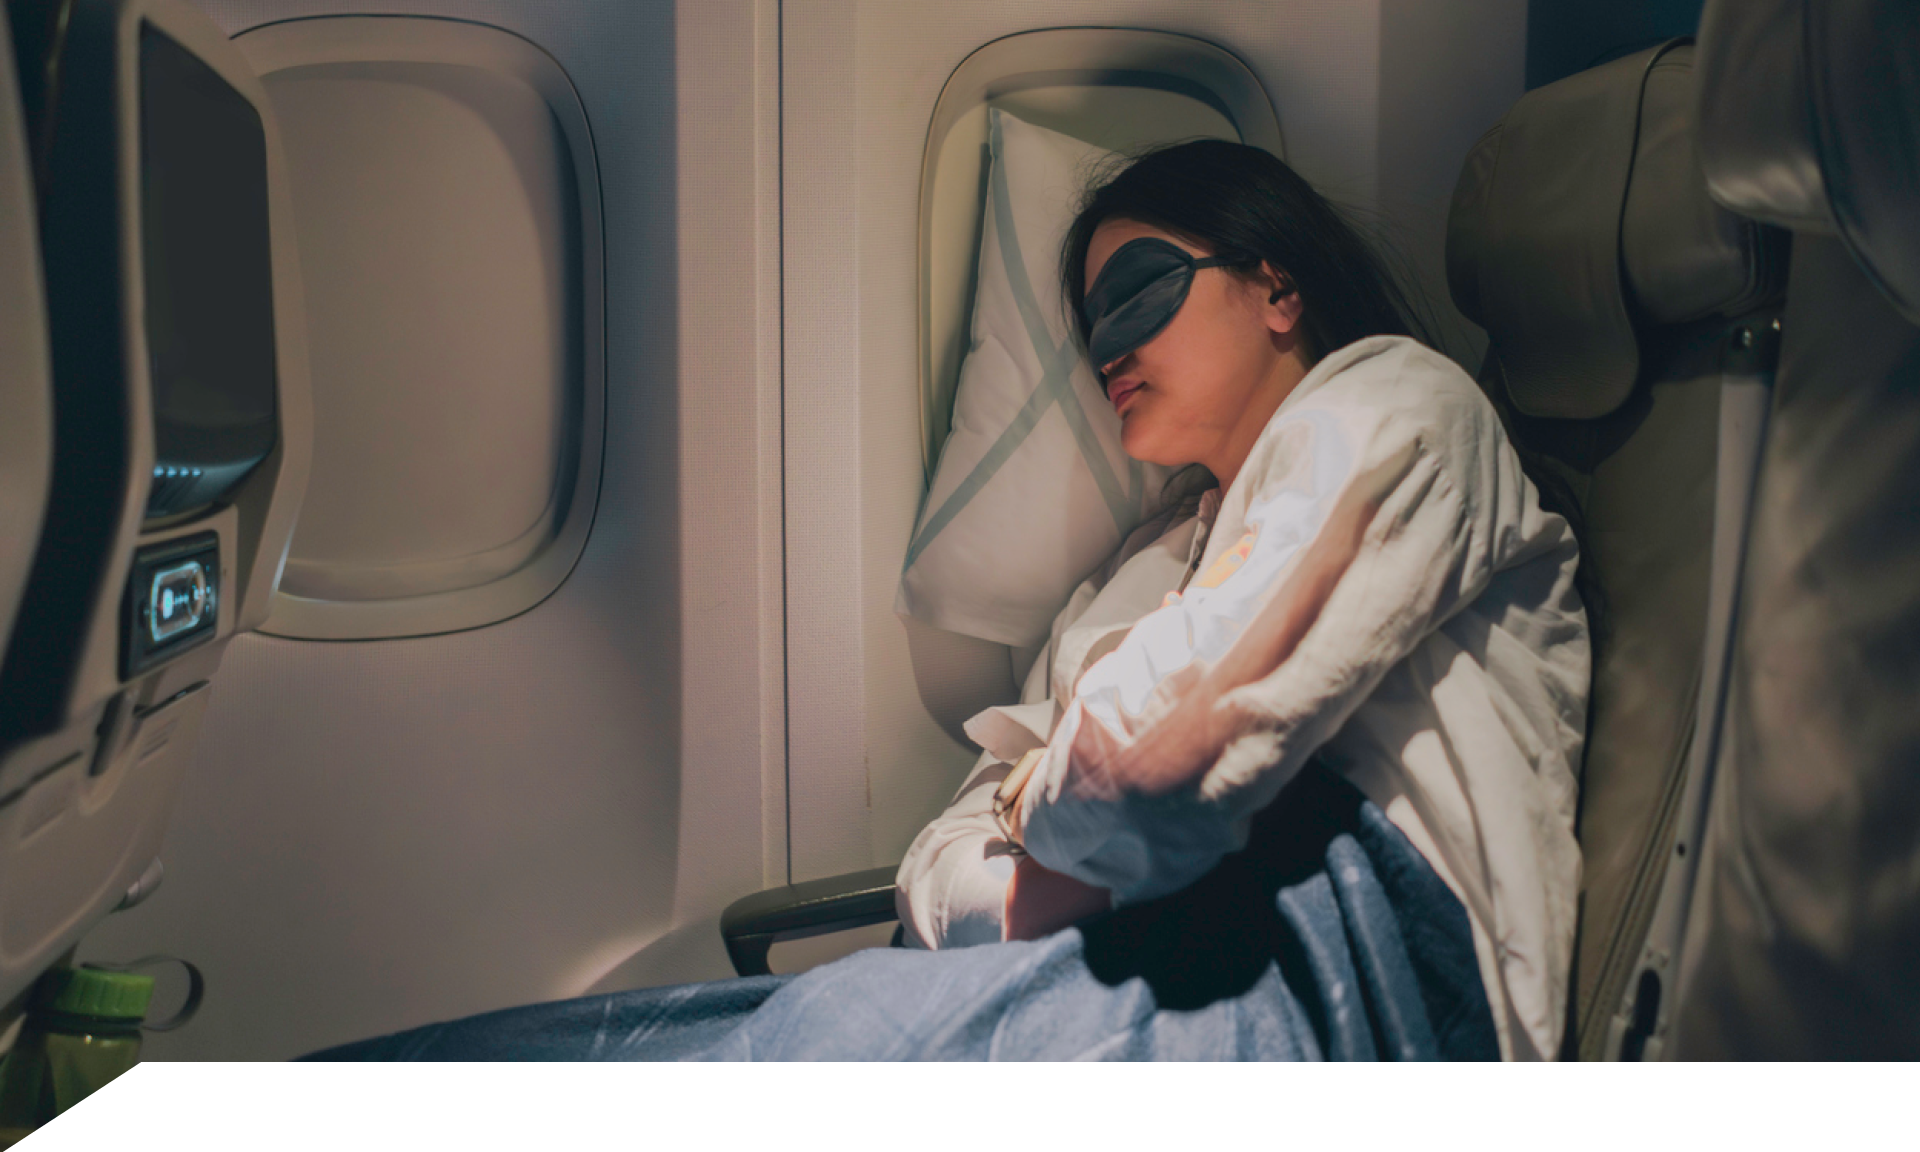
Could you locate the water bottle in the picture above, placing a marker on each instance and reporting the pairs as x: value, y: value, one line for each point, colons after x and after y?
x: 82, y: 1029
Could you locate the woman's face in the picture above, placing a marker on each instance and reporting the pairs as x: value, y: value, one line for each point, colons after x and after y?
x: 1202, y: 390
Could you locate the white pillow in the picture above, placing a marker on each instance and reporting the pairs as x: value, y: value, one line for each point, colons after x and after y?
x: 1032, y: 490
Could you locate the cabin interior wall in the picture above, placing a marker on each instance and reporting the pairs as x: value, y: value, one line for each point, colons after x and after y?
x: 378, y: 835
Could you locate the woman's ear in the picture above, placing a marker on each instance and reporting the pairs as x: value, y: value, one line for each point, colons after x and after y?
x: 1283, y: 299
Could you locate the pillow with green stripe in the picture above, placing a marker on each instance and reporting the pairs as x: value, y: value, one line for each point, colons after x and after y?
x: 1032, y: 490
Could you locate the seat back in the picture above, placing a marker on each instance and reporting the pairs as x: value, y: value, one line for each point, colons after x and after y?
x: 1805, y: 925
x: 1612, y: 290
x: 26, y: 385
x: 174, y: 326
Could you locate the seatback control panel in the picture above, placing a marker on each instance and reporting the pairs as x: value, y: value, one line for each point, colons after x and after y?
x: 173, y: 601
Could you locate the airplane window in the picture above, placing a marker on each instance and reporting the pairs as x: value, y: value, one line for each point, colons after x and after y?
x: 448, y: 215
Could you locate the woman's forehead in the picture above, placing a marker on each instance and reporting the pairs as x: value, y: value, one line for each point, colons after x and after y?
x: 1118, y: 230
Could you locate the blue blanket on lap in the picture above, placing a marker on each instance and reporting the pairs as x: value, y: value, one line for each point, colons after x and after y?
x: 1329, y: 937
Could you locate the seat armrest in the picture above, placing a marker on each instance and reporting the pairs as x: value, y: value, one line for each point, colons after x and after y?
x: 752, y: 924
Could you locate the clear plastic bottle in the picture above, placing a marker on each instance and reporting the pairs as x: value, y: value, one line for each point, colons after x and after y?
x: 82, y: 1030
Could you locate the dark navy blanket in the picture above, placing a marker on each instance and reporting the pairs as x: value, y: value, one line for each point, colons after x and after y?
x: 1329, y: 937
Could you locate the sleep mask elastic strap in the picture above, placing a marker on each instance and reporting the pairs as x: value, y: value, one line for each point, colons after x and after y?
x: 1138, y: 294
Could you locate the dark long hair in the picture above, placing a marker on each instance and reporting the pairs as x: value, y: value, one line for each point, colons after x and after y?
x: 1246, y: 204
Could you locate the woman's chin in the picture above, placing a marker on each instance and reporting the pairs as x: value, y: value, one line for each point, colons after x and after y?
x: 1140, y: 444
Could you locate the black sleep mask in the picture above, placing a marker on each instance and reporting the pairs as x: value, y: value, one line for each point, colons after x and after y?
x: 1138, y: 294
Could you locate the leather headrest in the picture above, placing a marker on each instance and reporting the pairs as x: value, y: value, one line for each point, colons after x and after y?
x: 1582, y: 216
x: 1810, y: 119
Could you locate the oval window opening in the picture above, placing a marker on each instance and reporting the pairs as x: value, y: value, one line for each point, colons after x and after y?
x: 447, y: 205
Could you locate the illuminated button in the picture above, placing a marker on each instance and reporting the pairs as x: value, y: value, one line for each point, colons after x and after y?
x: 179, y: 599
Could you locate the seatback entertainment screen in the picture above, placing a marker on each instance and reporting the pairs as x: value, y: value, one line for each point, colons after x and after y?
x: 208, y: 277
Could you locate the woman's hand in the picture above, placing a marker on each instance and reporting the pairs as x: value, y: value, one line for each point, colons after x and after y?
x: 1041, y: 902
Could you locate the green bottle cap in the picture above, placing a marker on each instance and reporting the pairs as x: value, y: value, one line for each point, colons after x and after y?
x: 96, y: 992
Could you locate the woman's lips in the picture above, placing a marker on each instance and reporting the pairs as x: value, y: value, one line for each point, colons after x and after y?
x: 1119, y: 390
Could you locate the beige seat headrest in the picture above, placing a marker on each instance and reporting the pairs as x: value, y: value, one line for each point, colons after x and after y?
x: 1582, y: 219
x: 1810, y: 119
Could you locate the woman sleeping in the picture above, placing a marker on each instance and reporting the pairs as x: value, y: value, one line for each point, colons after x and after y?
x: 1373, y: 583
x: 1295, y: 773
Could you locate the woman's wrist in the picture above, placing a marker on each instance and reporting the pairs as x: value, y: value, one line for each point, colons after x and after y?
x: 1039, y: 901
